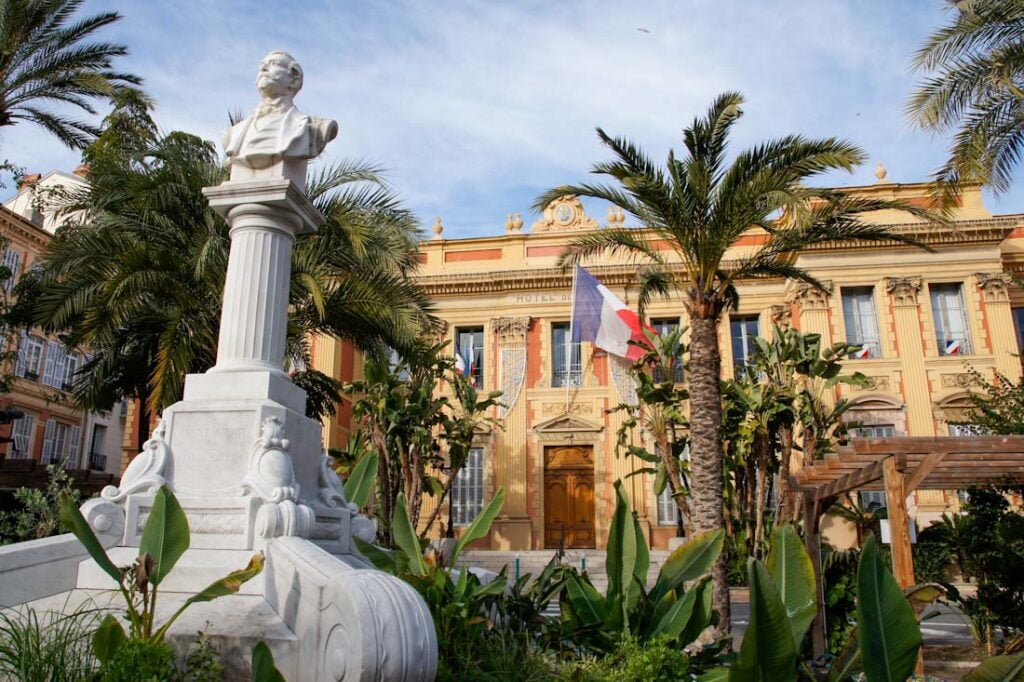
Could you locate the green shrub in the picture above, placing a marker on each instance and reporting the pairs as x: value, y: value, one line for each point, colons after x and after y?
x: 655, y: 660
x: 38, y: 512
x: 138, y: 660
x: 932, y: 562
x: 51, y: 646
x: 496, y: 656
x: 203, y: 661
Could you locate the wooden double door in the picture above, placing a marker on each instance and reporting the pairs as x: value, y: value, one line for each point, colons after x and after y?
x: 569, y: 498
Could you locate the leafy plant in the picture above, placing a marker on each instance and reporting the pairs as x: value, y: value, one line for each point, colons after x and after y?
x: 165, y: 538
x: 362, y: 480
x: 38, y: 647
x: 596, y: 622
x: 999, y: 669
x: 263, y: 668
x: 38, y: 512
x: 654, y: 660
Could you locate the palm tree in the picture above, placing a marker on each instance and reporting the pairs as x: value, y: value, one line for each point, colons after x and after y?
x: 699, y: 205
x: 973, y: 70
x: 137, y: 273
x: 44, y: 59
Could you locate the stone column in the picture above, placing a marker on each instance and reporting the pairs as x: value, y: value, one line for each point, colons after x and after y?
x: 813, y: 304
x: 996, y: 295
x: 512, y: 529
x: 907, y: 320
x: 265, y: 217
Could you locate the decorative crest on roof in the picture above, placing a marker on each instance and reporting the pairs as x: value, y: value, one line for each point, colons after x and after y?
x: 564, y: 214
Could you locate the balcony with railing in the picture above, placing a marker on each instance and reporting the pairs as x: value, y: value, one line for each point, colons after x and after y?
x: 97, y: 461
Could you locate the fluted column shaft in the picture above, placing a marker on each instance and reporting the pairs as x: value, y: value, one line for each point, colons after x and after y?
x: 254, y: 320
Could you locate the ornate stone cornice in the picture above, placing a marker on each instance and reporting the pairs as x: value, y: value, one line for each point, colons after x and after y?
x: 904, y: 290
x: 510, y: 330
x: 995, y: 286
x: 810, y: 297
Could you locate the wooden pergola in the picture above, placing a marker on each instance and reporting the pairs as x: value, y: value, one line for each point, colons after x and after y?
x: 900, y: 466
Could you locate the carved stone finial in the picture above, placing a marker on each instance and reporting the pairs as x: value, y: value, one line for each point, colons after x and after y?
x: 514, y: 224
x: 810, y: 297
x: 995, y: 286
x: 881, y: 173
x: 564, y: 213
x: 277, y: 140
x: 510, y: 225
x: 615, y: 216
x: 904, y: 290
x: 438, y: 227
x: 517, y: 223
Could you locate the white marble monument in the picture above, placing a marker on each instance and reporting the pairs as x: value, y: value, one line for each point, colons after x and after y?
x: 245, y: 462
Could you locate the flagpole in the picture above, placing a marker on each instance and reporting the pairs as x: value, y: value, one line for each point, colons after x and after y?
x: 568, y: 345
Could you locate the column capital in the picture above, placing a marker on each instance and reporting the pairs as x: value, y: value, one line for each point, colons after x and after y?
x: 808, y: 296
x: 282, y: 194
x: 782, y: 315
x: 904, y: 290
x: 994, y: 285
x: 510, y: 330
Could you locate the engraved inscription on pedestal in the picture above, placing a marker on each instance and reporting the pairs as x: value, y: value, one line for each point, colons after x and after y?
x: 211, y: 450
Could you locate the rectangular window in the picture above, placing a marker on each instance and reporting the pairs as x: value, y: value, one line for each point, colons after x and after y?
x: 743, y: 330
x: 469, y: 344
x: 861, y: 322
x: 665, y: 326
x: 873, y: 431
x: 951, y: 328
x: 60, y: 444
x: 566, y: 362
x: 74, y: 361
x: 467, y: 493
x: 30, y: 356
x: 871, y: 500
x: 967, y: 430
x: 668, y: 510
x: 97, y: 460
x: 22, y: 432
x: 12, y: 261
x: 56, y: 364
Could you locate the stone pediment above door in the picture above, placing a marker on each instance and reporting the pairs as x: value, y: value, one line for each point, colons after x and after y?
x: 565, y: 424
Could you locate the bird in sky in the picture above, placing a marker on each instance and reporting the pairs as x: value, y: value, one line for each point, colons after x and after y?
x: 643, y: 30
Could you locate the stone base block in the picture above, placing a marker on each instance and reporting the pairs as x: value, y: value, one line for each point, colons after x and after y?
x: 512, y: 534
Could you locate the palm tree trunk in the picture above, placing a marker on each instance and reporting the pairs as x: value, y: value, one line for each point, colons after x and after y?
x: 706, y: 449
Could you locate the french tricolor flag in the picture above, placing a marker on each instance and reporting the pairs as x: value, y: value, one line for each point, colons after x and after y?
x: 599, y: 317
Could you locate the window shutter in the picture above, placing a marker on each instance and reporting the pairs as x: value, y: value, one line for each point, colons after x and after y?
x: 60, y: 366
x: 73, y: 449
x: 52, y: 349
x: 23, y: 435
x: 12, y: 260
x: 20, y: 364
x: 51, y: 427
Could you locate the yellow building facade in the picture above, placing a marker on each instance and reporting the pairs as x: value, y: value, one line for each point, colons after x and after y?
x: 926, y: 318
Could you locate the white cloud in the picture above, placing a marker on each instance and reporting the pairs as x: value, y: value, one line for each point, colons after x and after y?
x: 477, y: 107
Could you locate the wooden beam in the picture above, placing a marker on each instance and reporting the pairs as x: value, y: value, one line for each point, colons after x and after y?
x: 923, y: 469
x: 848, y: 482
x: 899, y: 533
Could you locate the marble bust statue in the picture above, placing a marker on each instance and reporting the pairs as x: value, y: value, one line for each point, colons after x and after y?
x: 277, y: 139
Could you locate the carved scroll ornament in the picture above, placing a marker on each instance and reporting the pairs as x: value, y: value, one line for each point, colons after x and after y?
x: 810, y: 297
x: 995, y: 286
x: 904, y: 290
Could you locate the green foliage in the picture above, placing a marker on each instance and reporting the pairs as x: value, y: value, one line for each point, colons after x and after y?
x: 887, y: 626
x: 43, y: 647
x: 362, y: 480
x: 139, y: 660
x: 499, y: 655
x: 203, y: 663
x: 998, y: 407
x: 657, y: 659
x: 38, y: 512
x: 999, y: 669
x: 768, y: 651
x: 415, y: 431
x: 57, y: 62
x: 839, y: 573
x: 932, y: 562
x: 793, y: 574
x: 263, y: 668
x: 971, y: 68
x: 987, y: 544
x: 165, y: 538
x: 595, y: 622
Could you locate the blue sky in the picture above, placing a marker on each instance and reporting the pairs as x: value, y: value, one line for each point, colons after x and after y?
x: 477, y: 107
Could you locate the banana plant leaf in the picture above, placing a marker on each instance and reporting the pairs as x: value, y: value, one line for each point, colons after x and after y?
x: 999, y: 669
x: 382, y: 559
x: 621, y: 560
x: 362, y: 480
x: 107, y: 638
x: 791, y: 568
x: 73, y: 521
x: 689, y: 562
x: 888, y: 631
x: 481, y: 525
x: 768, y: 653
x: 263, y: 668
x: 588, y: 605
x: 680, y: 617
x: 406, y: 539
x: 166, y: 536
x: 229, y: 584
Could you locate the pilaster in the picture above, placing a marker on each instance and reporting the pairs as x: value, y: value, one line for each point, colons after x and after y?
x: 995, y: 291
x: 904, y: 293
x: 512, y: 528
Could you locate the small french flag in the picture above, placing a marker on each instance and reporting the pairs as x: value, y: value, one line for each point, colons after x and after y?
x: 602, y: 319
x: 864, y: 352
x: 954, y: 347
x: 466, y: 367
